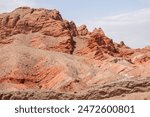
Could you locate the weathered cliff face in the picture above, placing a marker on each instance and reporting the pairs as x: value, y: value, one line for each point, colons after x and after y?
x: 39, y: 50
x: 25, y: 20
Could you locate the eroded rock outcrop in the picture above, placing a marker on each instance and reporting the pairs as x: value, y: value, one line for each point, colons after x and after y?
x: 82, y: 30
x: 39, y: 50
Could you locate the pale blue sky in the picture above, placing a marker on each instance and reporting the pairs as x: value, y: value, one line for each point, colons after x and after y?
x: 81, y: 10
x: 127, y: 20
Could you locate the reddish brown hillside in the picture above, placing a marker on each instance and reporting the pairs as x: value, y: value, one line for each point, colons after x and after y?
x: 39, y: 50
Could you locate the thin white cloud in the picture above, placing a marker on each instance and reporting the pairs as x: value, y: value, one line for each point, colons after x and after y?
x: 133, y: 28
x: 8, y: 5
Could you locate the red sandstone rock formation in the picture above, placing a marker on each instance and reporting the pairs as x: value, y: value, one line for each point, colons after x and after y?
x: 39, y: 50
x: 82, y: 30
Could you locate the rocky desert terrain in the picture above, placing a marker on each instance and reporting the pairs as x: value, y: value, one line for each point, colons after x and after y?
x: 43, y: 56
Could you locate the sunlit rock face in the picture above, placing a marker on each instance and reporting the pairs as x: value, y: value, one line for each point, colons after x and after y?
x: 41, y: 52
